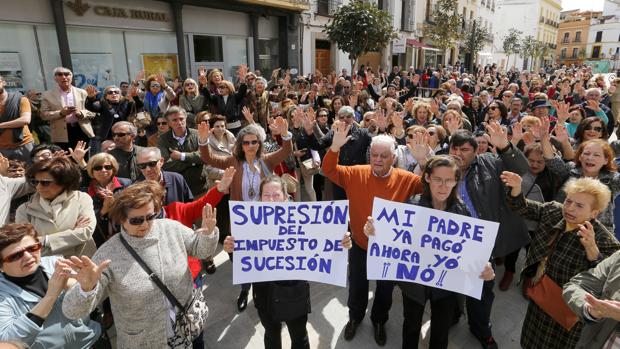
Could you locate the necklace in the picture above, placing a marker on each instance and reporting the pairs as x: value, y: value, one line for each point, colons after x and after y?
x: 251, y: 191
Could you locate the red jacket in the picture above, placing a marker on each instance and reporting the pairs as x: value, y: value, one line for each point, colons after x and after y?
x: 187, y: 213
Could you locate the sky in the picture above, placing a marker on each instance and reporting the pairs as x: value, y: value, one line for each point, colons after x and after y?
x: 582, y: 5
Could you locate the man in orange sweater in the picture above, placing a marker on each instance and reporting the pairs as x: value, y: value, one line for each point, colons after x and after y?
x: 362, y: 184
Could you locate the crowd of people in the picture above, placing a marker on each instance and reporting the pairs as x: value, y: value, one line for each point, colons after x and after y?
x: 116, y: 198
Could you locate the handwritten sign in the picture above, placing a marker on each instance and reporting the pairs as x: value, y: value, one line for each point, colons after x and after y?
x: 429, y: 247
x: 289, y: 241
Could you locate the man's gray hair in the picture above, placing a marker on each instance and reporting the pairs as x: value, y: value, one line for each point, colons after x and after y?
x: 346, y: 110
x: 148, y: 151
x: 130, y: 127
x: 261, y: 79
x: 175, y: 110
x: 384, y: 140
x: 593, y: 89
x: 61, y: 70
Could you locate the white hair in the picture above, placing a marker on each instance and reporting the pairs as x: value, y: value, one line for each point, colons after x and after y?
x: 149, y: 150
x: 260, y: 131
x: 455, y: 98
x: 384, y: 140
x: 593, y: 89
x: 346, y: 110
x: 61, y: 70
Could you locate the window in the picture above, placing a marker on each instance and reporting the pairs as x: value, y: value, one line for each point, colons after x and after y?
x: 596, y: 51
x: 575, y: 52
x: 208, y: 48
x: 267, y: 54
x: 599, y: 36
x: 565, y: 40
x: 563, y: 53
x: 578, y: 36
x: 407, y: 18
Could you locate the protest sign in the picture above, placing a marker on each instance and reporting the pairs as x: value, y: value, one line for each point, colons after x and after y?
x: 429, y: 247
x: 289, y: 241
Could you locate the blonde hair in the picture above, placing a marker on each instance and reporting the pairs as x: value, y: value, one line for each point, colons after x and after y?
x: 585, y: 185
x: 229, y: 85
x: 414, y: 110
x: 100, y: 159
x: 530, y: 120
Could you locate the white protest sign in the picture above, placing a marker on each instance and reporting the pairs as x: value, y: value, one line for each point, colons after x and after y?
x: 289, y: 241
x: 429, y: 247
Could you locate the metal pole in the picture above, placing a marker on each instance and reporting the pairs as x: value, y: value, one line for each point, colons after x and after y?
x: 61, y: 33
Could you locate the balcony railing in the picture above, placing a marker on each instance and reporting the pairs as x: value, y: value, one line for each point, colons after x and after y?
x: 327, y: 7
x: 577, y: 40
x: 565, y: 41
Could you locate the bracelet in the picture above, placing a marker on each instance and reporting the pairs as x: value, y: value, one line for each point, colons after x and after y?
x: 201, y: 143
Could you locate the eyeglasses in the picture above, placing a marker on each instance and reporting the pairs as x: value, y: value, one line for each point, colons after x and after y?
x: 223, y: 86
x: 113, y: 92
x: 141, y: 220
x: 19, y: 254
x: 594, y: 128
x: 493, y: 107
x: 43, y: 182
x: 63, y: 73
x: 120, y: 134
x: 440, y: 181
x: 150, y: 164
x: 161, y: 123
x: 154, y: 84
x: 104, y: 167
x: 253, y: 142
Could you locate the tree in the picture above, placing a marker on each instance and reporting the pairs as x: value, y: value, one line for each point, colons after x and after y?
x: 511, y: 44
x: 541, y: 50
x: 359, y: 27
x: 474, y: 36
x: 528, y: 48
x: 445, y: 29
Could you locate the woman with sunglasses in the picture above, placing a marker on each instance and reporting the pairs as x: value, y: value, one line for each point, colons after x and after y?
x: 251, y: 164
x: 273, y: 189
x: 496, y: 111
x: 112, y: 107
x: 162, y: 127
x: 228, y: 102
x: 192, y: 101
x: 143, y: 316
x: 157, y: 97
x: 102, y: 169
x: 440, y: 178
x: 63, y: 215
x: 590, y: 128
x: 31, y: 293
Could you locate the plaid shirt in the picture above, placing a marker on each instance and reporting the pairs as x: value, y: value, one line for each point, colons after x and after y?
x: 567, y: 260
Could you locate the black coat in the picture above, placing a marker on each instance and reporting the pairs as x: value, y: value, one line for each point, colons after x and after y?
x: 109, y: 114
x: 354, y: 152
x: 231, y: 109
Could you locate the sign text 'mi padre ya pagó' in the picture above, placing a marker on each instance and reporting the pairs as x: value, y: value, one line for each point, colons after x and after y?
x: 289, y: 241
x: 429, y: 247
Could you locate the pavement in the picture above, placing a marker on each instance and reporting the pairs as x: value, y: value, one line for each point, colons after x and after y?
x: 226, y: 328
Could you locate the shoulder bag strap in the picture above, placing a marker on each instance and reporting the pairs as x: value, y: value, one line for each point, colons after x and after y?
x: 152, y: 276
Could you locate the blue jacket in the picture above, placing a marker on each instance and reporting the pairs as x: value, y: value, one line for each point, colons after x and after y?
x: 57, y: 331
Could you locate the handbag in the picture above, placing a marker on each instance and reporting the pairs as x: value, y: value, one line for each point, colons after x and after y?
x: 308, y: 167
x: 190, y: 319
x: 290, y: 181
x: 548, y: 296
x: 289, y: 301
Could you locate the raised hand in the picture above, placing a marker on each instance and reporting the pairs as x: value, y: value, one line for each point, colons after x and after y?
x: 161, y: 79
x: 561, y: 133
x: 203, y: 132
x: 308, y: 121
x: 140, y: 76
x: 561, y: 111
x: 513, y: 181
x: 209, y: 218
x: 419, y: 148
x: 279, y: 126
x: 88, y: 273
x: 353, y: 100
x: 91, y: 91
x: 241, y: 72
x: 176, y: 84
x: 498, y: 135
x: 408, y: 106
x: 398, y: 119
x: 382, y: 119
x: 79, y: 152
x: 248, y: 115
x: 226, y: 180
x: 452, y: 125
x: 593, y: 105
x: 434, y: 108
x: 517, y: 133
x: 341, y: 135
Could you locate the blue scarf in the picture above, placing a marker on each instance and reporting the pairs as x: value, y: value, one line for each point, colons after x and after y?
x: 151, y: 102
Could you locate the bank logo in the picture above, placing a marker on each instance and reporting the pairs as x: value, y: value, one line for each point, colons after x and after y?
x: 78, y: 7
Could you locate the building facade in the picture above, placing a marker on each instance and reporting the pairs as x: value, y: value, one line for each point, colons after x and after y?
x: 603, y: 45
x: 109, y: 41
x: 573, y: 36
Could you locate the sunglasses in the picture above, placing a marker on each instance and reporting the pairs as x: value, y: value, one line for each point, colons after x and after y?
x: 410, y: 135
x: 43, y: 182
x: 150, y: 164
x: 19, y: 254
x: 595, y: 128
x: 153, y: 84
x: 321, y: 115
x: 161, y: 123
x: 432, y: 133
x: 141, y: 220
x: 342, y: 117
x: 106, y: 167
x: 120, y: 134
x: 63, y: 74
x: 493, y: 108
x: 253, y: 142
x: 113, y: 92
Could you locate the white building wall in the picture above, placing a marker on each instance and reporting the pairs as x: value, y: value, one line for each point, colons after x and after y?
x: 522, y: 15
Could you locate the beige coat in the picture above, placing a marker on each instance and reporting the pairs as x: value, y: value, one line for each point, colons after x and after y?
x: 59, y: 228
x: 52, y: 103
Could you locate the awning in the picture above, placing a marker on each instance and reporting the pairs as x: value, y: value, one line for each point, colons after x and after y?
x: 416, y: 43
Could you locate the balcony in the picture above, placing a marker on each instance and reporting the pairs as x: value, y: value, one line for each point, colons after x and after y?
x: 291, y: 5
x: 577, y: 40
x: 565, y: 41
x: 327, y: 7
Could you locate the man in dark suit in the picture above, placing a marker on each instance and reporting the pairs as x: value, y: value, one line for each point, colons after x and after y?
x: 150, y: 162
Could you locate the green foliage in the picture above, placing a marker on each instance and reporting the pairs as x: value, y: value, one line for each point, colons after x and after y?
x: 445, y: 30
x: 359, y: 27
x: 475, y: 36
x: 528, y: 47
x: 511, y: 44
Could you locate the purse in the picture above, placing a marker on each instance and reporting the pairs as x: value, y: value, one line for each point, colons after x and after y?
x: 548, y: 296
x: 190, y: 319
x: 291, y: 182
x: 308, y: 167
